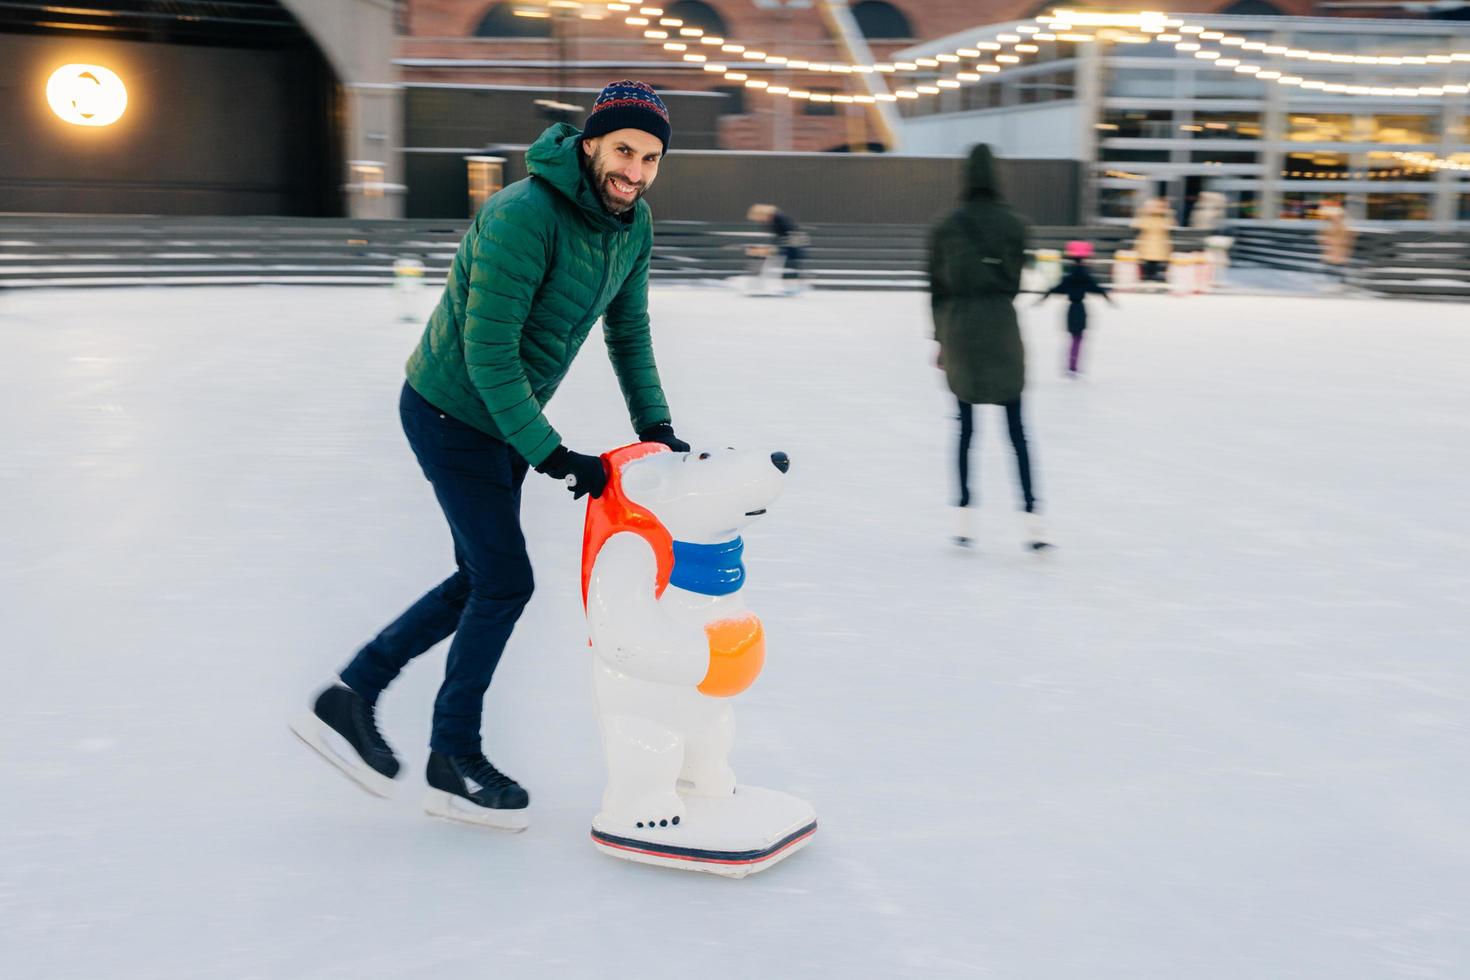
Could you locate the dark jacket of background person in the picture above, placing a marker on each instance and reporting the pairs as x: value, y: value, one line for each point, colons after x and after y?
x: 975, y: 260
x: 1075, y: 285
x: 543, y: 261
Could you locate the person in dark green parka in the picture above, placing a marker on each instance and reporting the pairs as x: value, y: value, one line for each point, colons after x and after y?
x: 544, y: 259
x: 975, y: 258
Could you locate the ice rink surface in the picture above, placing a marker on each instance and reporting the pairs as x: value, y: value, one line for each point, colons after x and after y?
x: 1220, y: 733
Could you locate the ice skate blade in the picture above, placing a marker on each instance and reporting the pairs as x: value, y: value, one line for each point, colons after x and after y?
x: 447, y: 806
x: 732, y: 836
x: 332, y: 747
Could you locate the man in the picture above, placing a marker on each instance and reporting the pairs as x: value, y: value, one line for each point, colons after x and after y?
x: 975, y: 260
x: 790, y: 240
x: 544, y: 259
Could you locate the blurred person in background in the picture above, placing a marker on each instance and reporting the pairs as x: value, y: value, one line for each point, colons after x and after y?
x: 1336, y: 240
x: 790, y: 241
x: 1153, y: 224
x: 976, y: 254
x: 1076, y: 283
x: 544, y: 259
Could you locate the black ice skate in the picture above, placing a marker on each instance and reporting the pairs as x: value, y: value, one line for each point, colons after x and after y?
x: 469, y: 789
x: 342, y: 728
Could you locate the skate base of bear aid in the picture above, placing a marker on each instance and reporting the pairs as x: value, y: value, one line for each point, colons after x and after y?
x: 733, y: 836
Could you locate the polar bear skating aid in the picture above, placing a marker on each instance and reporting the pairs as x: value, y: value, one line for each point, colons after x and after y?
x: 672, y: 643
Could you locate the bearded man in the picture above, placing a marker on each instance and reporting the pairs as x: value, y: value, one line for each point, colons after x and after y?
x: 545, y: 258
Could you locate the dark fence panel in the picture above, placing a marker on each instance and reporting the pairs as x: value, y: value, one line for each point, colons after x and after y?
x: 444, y: 116
x: 719, y: 186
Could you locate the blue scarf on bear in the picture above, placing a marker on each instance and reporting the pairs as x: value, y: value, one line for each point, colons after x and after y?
x: 709, y: 569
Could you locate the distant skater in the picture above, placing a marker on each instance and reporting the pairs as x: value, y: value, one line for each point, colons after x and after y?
x: 976, y: 254
x: 1075, y: 285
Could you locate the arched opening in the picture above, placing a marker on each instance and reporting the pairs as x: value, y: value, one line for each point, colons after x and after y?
x: 696, y: 14
x: 501, y: 20
x: 881, y: 21
x: 232, y: 108
x: 1253, y: 8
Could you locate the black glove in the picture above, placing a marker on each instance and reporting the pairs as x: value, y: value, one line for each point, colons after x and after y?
x: 587, y: 473
x: 664, y: 432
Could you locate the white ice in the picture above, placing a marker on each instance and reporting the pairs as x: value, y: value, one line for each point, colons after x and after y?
x: 1221, y: 733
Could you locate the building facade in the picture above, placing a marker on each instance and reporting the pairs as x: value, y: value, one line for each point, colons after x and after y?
x: 1165, y: 118
x: 563, y: 44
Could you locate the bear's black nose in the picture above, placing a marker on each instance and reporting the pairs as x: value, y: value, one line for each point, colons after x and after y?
x: 782, y: 461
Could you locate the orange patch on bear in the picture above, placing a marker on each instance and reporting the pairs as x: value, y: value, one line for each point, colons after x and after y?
x: 737, y: 652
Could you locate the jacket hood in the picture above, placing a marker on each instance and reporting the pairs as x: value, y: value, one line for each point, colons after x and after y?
x: 556, y: 157
x: 980, y: 174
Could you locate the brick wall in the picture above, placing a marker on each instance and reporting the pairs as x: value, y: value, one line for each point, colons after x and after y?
x: 445, y: 29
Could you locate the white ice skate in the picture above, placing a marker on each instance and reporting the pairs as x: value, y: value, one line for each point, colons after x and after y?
x: 1037, y: 538
x: 964, y: 527
x: 447, y: 806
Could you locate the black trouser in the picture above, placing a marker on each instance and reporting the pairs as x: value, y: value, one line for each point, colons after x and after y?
x: 477, y: 479
x: 791, y: 268
x: 1018, y: 442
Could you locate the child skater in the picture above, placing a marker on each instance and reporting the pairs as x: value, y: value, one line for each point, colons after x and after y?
x: 1076, y: 284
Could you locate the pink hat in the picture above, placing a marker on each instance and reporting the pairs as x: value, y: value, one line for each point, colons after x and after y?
x: 1079, y: 250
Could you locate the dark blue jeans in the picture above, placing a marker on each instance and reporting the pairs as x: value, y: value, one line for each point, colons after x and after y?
x: 1018, y: 443
x: 477, y: 479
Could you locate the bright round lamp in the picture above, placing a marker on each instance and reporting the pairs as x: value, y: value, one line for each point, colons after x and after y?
x: 87, y: 95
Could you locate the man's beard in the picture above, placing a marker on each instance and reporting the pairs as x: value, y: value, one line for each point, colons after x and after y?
x: 614, y: 205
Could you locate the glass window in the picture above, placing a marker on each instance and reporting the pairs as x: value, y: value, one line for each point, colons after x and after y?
x: 1119, y: 202
x: 1306, y: 205
x: 1049, y: 87
x: 501, y: 21
x: 1143, y: 83
x: 1319, y: 127
x: 877, y: 19
x: 813, y: 108
x: 1465, y: 207
x: 1226, y: 126
x: 1391, y: 166
x: 696, y: 14
x: 1216, y: 83
x: 1399, y: 44
x: 1242, y: 205
x: 1223, y: 156
x: 1125, y: 154
x: 1391, y: 206
x: 734, y: 103
x: 1332, y: 41
x: 1410, y: 129
x: 1299, y: 166
x: 983, y: 96
x: 1137, y: 123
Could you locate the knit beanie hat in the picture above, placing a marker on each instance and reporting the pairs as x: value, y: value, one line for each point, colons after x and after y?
x: 628, y: 105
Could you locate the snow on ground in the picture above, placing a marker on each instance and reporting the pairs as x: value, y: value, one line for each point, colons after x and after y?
x: 1221, y: 733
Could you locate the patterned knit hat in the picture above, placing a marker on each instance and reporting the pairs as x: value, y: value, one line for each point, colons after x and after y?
x: 628, y: 105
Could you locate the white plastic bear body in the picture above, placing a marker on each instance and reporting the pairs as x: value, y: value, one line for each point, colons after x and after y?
x: 662, y: 735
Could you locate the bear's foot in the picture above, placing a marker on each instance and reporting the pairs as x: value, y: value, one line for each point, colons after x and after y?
x: 653, y: 811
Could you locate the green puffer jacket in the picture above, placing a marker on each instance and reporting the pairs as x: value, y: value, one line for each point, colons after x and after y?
x: 975, y: 260
x: 542, y: 261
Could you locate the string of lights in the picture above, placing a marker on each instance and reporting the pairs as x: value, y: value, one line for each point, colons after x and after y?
x: 1008, y: 49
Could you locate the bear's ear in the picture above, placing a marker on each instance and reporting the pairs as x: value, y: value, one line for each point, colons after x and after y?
x: 640, y: 477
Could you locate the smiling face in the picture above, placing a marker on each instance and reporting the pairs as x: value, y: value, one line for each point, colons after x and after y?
x: 622, y: 165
